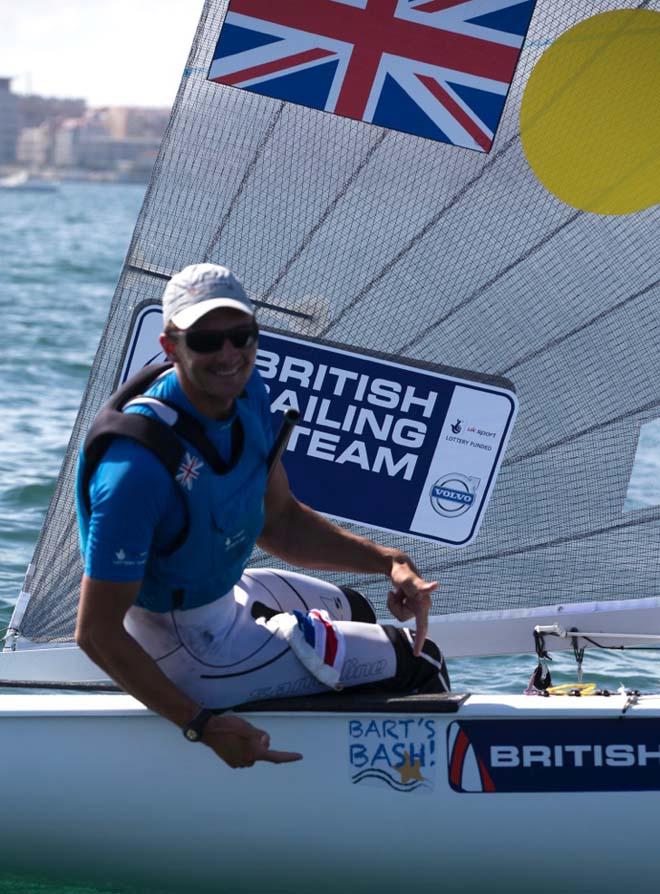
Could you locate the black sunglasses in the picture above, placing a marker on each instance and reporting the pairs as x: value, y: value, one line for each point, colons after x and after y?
x: 210, y: 340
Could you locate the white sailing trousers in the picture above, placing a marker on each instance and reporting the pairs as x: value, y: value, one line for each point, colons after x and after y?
x: 233, y: 650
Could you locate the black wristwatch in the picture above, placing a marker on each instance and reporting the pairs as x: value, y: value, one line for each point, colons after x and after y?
x: 195, y: 729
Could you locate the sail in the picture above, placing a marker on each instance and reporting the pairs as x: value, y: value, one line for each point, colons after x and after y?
x: 507, y: 259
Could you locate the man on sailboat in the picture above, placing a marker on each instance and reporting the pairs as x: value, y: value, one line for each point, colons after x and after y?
x: 173, y: 492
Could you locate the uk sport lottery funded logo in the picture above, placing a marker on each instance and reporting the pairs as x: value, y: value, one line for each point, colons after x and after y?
x: 454, y: 494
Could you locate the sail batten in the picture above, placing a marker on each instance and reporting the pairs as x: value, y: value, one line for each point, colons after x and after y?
x: 556, y: 342
x: 217, y: 236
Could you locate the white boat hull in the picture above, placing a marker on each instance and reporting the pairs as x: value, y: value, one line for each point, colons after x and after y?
x: 96, y: 788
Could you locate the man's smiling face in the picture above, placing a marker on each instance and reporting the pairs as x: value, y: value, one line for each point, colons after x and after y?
x: 213, y: 380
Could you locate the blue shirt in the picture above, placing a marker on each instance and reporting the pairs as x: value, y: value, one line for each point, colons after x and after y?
x: 136, y: 507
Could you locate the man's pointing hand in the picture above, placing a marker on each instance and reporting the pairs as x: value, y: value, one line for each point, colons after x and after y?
x: 410, y: 597
x: 240, y: 744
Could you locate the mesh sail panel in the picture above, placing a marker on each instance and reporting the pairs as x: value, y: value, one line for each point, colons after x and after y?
x: 385, y: 241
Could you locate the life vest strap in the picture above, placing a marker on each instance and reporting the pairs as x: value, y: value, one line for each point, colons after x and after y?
x: 151, y: 433
x: 187, y: 427
x: 162, y: 436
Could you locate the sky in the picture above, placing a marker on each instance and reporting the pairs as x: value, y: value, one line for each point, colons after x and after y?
x: 109, y: 52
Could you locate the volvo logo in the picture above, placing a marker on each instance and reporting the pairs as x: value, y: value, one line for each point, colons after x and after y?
x: 453, y: 494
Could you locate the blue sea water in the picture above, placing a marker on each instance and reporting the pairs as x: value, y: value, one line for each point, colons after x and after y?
x: 59, y: 262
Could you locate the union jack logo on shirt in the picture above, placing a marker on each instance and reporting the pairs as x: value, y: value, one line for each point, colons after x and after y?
x: 435, y: 68
x: 189, y: 471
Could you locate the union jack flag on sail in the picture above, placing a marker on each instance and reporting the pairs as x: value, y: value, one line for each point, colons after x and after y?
x: 435, y: 68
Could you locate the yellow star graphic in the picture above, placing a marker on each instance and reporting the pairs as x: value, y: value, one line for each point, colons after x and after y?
x: 409, y: 771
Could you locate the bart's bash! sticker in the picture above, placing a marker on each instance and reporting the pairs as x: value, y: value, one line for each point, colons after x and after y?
x: 397, y: 753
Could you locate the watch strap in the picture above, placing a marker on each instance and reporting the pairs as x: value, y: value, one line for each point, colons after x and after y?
x: 194, y: 731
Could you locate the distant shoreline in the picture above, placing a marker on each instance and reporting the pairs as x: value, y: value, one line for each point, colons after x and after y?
x: 78, y: 175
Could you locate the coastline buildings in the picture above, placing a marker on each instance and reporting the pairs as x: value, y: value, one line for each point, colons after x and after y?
x: 33, y: 146
x: 67, y: 139
x: 8, y: 122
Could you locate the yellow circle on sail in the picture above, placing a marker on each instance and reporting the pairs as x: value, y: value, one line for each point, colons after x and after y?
x: 590, y: 116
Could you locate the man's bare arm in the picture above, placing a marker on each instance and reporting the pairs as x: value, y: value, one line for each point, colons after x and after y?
x: 101, y: 635
x: 298, y: 534
x: 301, y: 536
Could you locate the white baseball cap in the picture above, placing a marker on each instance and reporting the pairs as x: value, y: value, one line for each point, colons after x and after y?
x: 200, y: 288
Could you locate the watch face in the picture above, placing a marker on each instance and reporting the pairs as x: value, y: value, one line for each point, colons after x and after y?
x: 192, y: 735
